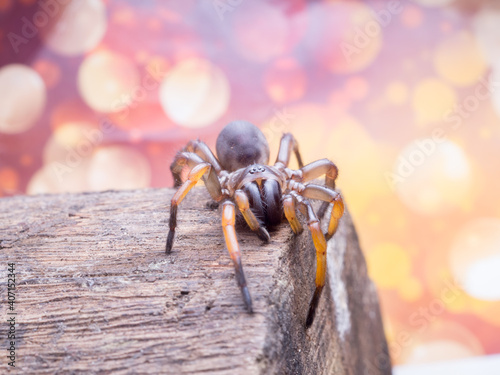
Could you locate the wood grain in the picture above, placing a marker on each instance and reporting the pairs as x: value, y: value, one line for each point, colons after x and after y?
x: 97, y: 294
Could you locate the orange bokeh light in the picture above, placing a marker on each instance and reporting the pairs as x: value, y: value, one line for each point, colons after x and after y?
x: 195, y: 93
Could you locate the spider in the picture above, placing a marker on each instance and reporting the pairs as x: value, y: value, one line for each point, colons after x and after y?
x: 240, y: 177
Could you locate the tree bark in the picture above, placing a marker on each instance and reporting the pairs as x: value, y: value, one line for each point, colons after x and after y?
x: 96, y: 293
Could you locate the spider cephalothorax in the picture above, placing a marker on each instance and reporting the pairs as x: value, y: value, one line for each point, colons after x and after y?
x: 240, y: 177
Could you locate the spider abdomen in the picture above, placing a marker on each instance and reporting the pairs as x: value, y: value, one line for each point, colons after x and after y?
x: 241, y: 144
x: 265, y: 201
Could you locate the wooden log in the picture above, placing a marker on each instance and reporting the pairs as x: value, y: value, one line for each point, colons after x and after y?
x: 96, y: 292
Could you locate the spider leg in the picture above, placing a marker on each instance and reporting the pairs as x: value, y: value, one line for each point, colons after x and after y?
x: 201, y: 149
x: 320, y: 246
x: 190, y: 159
x: 289, y: 208
x: 316, y: 169
x: 287, y: 145
x: 228, y: 219
x: 194, y: 176
x: 244, y: 206
x: 329, y: 196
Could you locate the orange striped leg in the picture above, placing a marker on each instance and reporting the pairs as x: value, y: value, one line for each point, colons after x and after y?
x: 194, y: 176
x: 289, y: 208
x: 320, y: 192
x: 244, y: 207
x: 228, y: 218
x: 316, y: 169
x: 203, y: 151
x: 190, y: 159
x: 320, y: 246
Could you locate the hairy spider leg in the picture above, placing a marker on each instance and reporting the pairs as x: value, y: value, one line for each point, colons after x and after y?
x: 313, y: 191
x: 194, y: 176
x: 228, y: 219
x: 244, y: 206
x: 289, y: 208
x: 320, y: 246
x: 201, y: 149
x: 318, y: 168
x: 288, y: 144
x: 190, y: 159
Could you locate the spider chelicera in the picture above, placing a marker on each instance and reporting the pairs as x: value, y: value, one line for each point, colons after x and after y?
x: 240, y: 177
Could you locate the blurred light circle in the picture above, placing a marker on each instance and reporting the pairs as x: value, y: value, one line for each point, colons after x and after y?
x: 195, y: 93
x: 410, y: 289
x: 458, y: 59
x: 483, y: 278
x: 107, y: 81
x: 439, y: 350
x: 432, y: 99
x: 118, y: 167
x: 486, y: 27
x: 432, y: 178
x: 434, y: 3
x: 72, y: 141
x: 42, y: 183
x: 79, y: 28
x: 385, y: 274
x: 396, y: 93
x: 438, y: 339
x: 66, y: 158
x: 59, y: 177
x: 285, y: 80
x: 475, y: 258
x: 260, y: 31
x: 22, y: 98
x: 347, y: 37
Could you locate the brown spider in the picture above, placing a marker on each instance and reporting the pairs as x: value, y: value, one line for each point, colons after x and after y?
x: 239, y: 176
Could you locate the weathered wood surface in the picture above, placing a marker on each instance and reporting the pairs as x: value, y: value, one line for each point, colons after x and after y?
x: 97, y: 294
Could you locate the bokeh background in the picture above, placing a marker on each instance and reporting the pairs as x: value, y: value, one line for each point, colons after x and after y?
x: 404, y: 96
